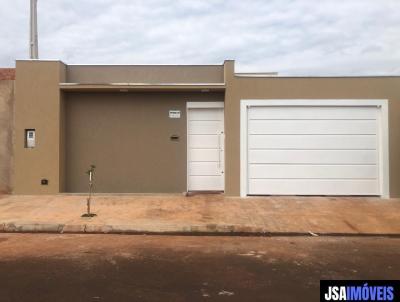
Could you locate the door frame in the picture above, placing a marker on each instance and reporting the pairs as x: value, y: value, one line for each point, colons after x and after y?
x: 207, y: 105
x: 383, y: 126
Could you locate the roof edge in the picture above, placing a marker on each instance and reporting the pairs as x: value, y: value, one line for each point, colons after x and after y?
x: 334, y: 77
x: 125, y: 87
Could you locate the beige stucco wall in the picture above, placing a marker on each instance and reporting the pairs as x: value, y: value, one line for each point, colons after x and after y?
x: 6, y: 129
x: 308, y: 88
x: 154, y: 74
x: 38, y: 106
x: 127, y: 137
x: 41, y: 105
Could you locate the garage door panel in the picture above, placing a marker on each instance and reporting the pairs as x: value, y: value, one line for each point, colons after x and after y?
x: 313, y: 187
x: 205, y: 127
x: 210, y: 182
x: 311, y: 112
x: 313, y: 171
x: 205, y: 114
x: 312, y: 142
x: 204, y: 169
x: 312, y: 127
x: 204, y: 141
x: 313, y: 150
x: 313, y: 156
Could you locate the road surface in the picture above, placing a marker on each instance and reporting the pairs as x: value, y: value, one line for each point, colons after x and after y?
x: 44, y: 267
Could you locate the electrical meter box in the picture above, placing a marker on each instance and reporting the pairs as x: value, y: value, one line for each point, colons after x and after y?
x: 30, y: 138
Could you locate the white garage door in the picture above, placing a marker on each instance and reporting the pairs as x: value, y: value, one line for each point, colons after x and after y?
x: 326, y: 150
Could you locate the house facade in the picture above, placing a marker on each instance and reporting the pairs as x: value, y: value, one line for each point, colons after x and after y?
x: 180, y: 128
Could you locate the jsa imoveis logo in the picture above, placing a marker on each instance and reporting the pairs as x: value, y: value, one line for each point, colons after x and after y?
x: 360, y: 290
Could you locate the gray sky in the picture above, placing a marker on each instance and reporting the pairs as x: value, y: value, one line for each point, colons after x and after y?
x: 307, y: 37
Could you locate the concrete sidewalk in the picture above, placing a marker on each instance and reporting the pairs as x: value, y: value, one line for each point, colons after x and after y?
x: 201, y: 214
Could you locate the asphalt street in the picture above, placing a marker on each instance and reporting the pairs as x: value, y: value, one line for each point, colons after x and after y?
x: 51, y: 267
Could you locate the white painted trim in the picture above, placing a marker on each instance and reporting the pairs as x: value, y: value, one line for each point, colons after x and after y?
x: 143, y: 84
x: 315, y: 102
x: 187, y: 147
x: 384, y: 149
x: 256, y: 75
x: 40, y: 60
x: 243, y: 149
x: 144, y: 64
x: 204, y: 105
x: 396, y: 75
x: 383, y: 129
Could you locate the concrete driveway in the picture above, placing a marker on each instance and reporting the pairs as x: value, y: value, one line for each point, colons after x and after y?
x: 201, y: 214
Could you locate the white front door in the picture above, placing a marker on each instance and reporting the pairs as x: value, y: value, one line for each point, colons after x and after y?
x: 205, y: 122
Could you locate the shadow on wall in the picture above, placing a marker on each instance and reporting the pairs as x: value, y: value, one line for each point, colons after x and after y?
x: 7, y: 77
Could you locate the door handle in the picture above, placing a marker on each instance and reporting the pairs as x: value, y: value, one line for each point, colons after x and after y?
x: 220, y: 137
x: 219, y: 151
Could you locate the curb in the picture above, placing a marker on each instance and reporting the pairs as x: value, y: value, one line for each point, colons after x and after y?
x: 73, y: 229
x: 32, y: 228
x: 207, y: 230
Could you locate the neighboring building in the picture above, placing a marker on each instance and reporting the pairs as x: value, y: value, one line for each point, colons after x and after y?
x: 163, y: 129
x: 7, y: 77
